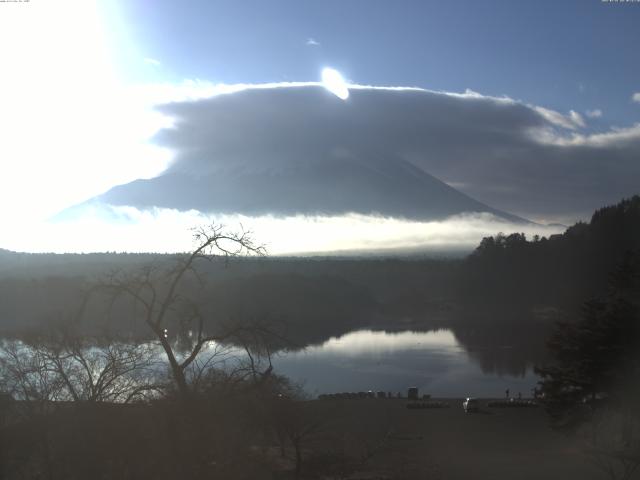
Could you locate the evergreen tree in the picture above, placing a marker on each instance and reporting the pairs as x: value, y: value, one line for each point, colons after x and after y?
x: 597, y: 358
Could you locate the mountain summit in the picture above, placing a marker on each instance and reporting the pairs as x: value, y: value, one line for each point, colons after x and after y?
x: 333, y: 187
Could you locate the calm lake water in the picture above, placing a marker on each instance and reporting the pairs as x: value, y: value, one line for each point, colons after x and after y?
x: 435, y: 362
x: 391, y: 362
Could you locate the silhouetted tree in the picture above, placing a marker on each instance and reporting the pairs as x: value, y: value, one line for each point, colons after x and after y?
x: 594, y: 385
x: 59, y: 366
x: 172, y: 308
x: 596, y: 356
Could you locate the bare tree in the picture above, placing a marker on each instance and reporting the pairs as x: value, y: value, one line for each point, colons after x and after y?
x: 60, y: 366
x: 170, y: 307
x: 26, y: 375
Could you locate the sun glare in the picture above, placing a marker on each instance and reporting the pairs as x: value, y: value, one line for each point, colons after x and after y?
x: 335, y: 83
x: 69, y: 129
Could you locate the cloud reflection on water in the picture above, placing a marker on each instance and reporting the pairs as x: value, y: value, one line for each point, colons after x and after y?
x: 372, y: 360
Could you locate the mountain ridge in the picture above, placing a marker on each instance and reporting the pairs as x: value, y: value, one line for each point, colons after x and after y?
x: 331, y: 186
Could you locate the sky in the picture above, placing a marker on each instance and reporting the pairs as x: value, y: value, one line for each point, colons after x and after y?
x: 567, y: 55
x: 544, y: 97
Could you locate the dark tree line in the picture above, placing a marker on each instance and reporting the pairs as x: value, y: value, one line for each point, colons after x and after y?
x: 561, y: 271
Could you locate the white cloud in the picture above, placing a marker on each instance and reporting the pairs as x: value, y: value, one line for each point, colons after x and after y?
x: 614, y: 139
x: 572, y: 121
x: 312, y: 42
x: 596, y: 113
x: 635, y: 97
x: 167, y: 230
x: 577, y: 119
x: 198, y: 89
x: 152, y: 61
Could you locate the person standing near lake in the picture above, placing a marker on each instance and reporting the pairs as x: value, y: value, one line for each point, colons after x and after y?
x: 506, y: 393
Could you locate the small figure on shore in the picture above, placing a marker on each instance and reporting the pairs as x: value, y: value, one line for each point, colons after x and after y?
x: 506, y: 393
x: 519, y: 395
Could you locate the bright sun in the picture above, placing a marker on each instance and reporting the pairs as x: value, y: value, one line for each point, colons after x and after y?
x: 335, y: 83
x: 69, y: 127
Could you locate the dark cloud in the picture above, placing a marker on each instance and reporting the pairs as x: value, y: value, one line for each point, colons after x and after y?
x: 264, y: 128
x: 301, y: 149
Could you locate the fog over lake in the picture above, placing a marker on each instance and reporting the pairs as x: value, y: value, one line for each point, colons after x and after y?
x: 383, y: 361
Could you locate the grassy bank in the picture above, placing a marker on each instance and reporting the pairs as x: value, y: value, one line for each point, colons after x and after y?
x: 447, y: 443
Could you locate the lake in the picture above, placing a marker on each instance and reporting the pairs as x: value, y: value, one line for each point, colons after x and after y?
x: 442, y: 363
x: 393, y: 361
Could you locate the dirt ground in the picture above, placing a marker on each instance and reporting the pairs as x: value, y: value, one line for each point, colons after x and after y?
x: 495, y: 443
